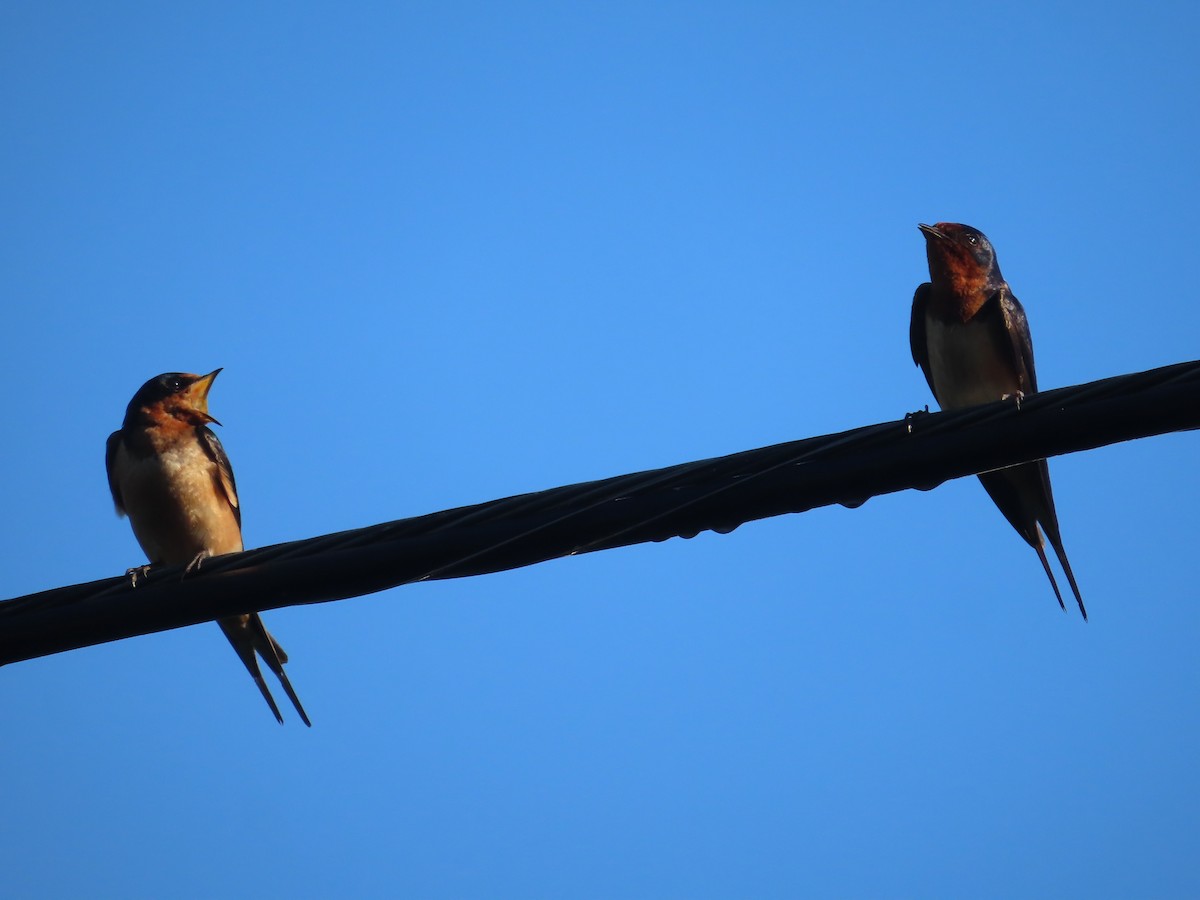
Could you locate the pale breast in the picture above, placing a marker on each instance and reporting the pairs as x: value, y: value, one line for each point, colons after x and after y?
x: 174, y: 505
x: 966, y: 365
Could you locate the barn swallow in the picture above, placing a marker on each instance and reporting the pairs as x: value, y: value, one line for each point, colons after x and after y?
x: 168, y: 472
x: 970, y: 337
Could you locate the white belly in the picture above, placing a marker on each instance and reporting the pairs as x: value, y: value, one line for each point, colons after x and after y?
x: 965, y: 365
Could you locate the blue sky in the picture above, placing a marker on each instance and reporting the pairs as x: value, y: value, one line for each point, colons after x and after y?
x: 451, y: 252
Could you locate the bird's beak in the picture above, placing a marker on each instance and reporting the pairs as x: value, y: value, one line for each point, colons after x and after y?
x: 929, y: 231
x: 198, y: 394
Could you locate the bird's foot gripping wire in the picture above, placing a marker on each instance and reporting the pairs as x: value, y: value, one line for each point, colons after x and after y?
x: 137, y: 572
x: 194, y: 565
x: 910, y: 418
x: 1018, y: 396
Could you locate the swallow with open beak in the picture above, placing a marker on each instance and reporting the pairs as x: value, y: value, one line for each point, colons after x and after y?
x: 970, y: 337
x: 170, y: 475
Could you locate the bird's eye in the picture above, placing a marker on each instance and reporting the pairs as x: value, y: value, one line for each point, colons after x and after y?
x: 174, y: 383
x: 972, y: 239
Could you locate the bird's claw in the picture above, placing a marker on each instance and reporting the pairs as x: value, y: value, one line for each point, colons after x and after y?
x: 909, y: 418
x: 194, y: 565
x: 137, y: 572
x: 1018, y: 396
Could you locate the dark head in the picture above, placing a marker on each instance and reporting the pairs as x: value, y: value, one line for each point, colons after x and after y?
x: 174, y: 396
x: 961, y: 259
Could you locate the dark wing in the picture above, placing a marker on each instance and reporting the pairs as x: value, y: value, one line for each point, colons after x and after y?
x: 917, y: 341
x: 224, y: 474
x: 110, y: 460
x: 1017, y: 327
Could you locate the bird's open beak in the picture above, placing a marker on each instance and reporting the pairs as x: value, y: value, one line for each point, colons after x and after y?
x: 929, y: 230
x: 198, y: 394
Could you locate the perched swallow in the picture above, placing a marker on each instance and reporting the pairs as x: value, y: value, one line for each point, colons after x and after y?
x: 970, y: 337
x: 170, y: 475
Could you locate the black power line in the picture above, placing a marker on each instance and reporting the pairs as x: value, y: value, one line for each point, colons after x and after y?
x: 920, y: 451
